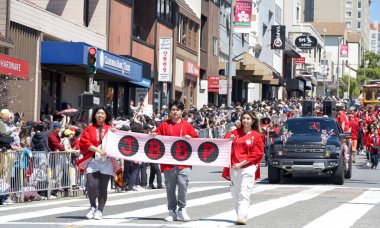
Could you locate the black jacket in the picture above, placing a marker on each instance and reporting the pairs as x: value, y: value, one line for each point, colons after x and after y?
x: 40, y: 141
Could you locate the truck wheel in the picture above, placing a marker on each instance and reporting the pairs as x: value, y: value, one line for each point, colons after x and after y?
x: 338, y: 176
x: 348, y: 173
x: 274, y: 176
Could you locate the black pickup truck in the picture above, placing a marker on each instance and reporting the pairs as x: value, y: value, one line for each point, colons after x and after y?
x: 310, y: 145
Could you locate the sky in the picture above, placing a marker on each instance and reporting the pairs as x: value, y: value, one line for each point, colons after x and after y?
x: 375, y: 10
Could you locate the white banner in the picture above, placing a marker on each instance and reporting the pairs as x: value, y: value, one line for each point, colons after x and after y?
x: 165, y: 59
x: 168, y: 149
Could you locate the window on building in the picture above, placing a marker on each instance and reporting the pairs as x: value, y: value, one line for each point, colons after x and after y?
x: 270, y: 15
x: 373, y: 36
x: 359, y: 4
x: 203, y: 35
x: 165, y: 9
x: 143, y: 21
x: 359, y: 25
x: 215, y: 46
x: 278, y: 14
x: 348, y: 14
x: 348, y: 24
x: 298, y: 15
x: 265, y: 27
x: 359, y: 15
x: 187, y: 32
x: 348, y: 4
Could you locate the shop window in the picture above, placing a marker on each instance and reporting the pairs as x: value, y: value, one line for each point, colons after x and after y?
x: 110, y: 94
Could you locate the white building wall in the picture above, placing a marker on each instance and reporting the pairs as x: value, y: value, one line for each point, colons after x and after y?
x: 35, y: 17
x: 353, y: 58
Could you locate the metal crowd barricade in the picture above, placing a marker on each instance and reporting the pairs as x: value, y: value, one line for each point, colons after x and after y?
x: 45, y: 172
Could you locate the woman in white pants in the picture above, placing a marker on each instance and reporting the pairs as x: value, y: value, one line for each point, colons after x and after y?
x: 246, y: 154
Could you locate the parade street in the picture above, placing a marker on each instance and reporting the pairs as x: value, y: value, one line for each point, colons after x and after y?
x: 303, y: 201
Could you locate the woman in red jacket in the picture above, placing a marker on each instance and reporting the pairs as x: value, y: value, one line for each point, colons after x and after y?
x: 98, y: 166
x: 246, y: 154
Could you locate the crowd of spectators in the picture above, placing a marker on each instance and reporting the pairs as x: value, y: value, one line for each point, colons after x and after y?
x: 62, y: 133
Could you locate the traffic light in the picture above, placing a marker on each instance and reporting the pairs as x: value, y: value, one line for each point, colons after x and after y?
x: 91, y: 61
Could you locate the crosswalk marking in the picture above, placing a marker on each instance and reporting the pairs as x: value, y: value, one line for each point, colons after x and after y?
x: 59, y: 210
x: 347, y: 214
x: 145, y: 212
x: 227, y: 218
x: 344, y: 215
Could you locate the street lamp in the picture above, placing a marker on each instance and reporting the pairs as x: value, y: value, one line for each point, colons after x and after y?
x: 324, y: 62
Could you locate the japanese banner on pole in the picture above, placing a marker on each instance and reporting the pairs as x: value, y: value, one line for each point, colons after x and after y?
x: 165, y: 59
x: 168, y: 149
x: 242, y: 16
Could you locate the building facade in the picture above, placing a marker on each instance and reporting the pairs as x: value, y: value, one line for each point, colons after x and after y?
x: 374, y: 37
x: 354, y: 13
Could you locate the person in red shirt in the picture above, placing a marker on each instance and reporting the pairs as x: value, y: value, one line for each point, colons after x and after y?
x: 354, y: 138
x: 246, y: 154
x: 176, y: 175
x: 54, y: 141
x: 98, y: 166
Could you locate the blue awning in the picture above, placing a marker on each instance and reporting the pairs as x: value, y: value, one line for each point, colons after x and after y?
x: 75, y: 53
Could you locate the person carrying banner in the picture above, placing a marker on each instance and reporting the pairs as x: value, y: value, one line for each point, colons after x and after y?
x: 176, y: 175
x: 98, y: 166
x: 246, y: 154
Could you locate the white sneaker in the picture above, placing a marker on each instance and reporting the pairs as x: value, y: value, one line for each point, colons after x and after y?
x: 98, y: 215
x: 91, y: 213
x: 171, y: 217
x: 183, y: 216
x: 8, y: 202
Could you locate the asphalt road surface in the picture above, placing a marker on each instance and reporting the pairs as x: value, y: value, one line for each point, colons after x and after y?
x: 301, y: 201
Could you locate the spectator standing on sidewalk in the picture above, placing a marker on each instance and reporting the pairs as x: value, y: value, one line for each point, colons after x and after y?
x: 176, y: 175
x: 246, y: 154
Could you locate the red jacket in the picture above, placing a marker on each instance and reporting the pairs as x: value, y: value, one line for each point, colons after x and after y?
x: 180, y: 129
x: 249, y: 147
x: 54, y: 142
x: 90, y: 137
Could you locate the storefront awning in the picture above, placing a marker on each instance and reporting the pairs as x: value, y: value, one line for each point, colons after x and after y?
x: 291, y: 51
x: 308, y: 77
x: 71, y: 58
x: 251, y: 69
x: 13, y: 67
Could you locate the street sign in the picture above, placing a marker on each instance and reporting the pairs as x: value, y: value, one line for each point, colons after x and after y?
x: 306, y: 42
x: 300, y: 60
x: 96, y: 100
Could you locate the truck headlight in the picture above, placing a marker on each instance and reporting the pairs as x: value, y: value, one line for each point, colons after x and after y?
x: 330, y: 149
x: 279, y: 150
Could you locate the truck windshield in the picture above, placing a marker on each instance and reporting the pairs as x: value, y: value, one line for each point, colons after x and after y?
x: 311, y: 127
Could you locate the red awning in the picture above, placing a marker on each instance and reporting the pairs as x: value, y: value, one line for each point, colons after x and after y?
x: 13, y: 67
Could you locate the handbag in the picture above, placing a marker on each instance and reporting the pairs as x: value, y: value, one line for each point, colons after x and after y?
x: 6, y: 140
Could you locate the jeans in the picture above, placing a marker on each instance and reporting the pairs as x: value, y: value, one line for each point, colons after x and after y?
x: 374, y: 159
x: 174, y: 178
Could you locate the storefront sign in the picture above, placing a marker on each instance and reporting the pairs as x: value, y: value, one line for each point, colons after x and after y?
x: 191, y: 68
x: 243, y: 14
x: 117, y: 64
x: 306, y: 42
x: 13, y: 67
x: 168, y: 149
x: 343, y: 50
x: 165, y: 59
x: 223, y: 85
x: 213, y: 83
x: 278, y: 37
x: 300, y: 60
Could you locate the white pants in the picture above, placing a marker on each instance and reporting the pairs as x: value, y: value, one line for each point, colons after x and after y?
x: 242, y: 181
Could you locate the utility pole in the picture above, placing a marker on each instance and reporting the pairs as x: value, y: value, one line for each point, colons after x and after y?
x: 338, y: 67
x: 230, y: 53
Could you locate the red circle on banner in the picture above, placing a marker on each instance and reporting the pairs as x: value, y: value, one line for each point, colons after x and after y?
x: 154, y: 149
x: 208, y: 152
x: 181, y: 150
x: 128, y: 146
